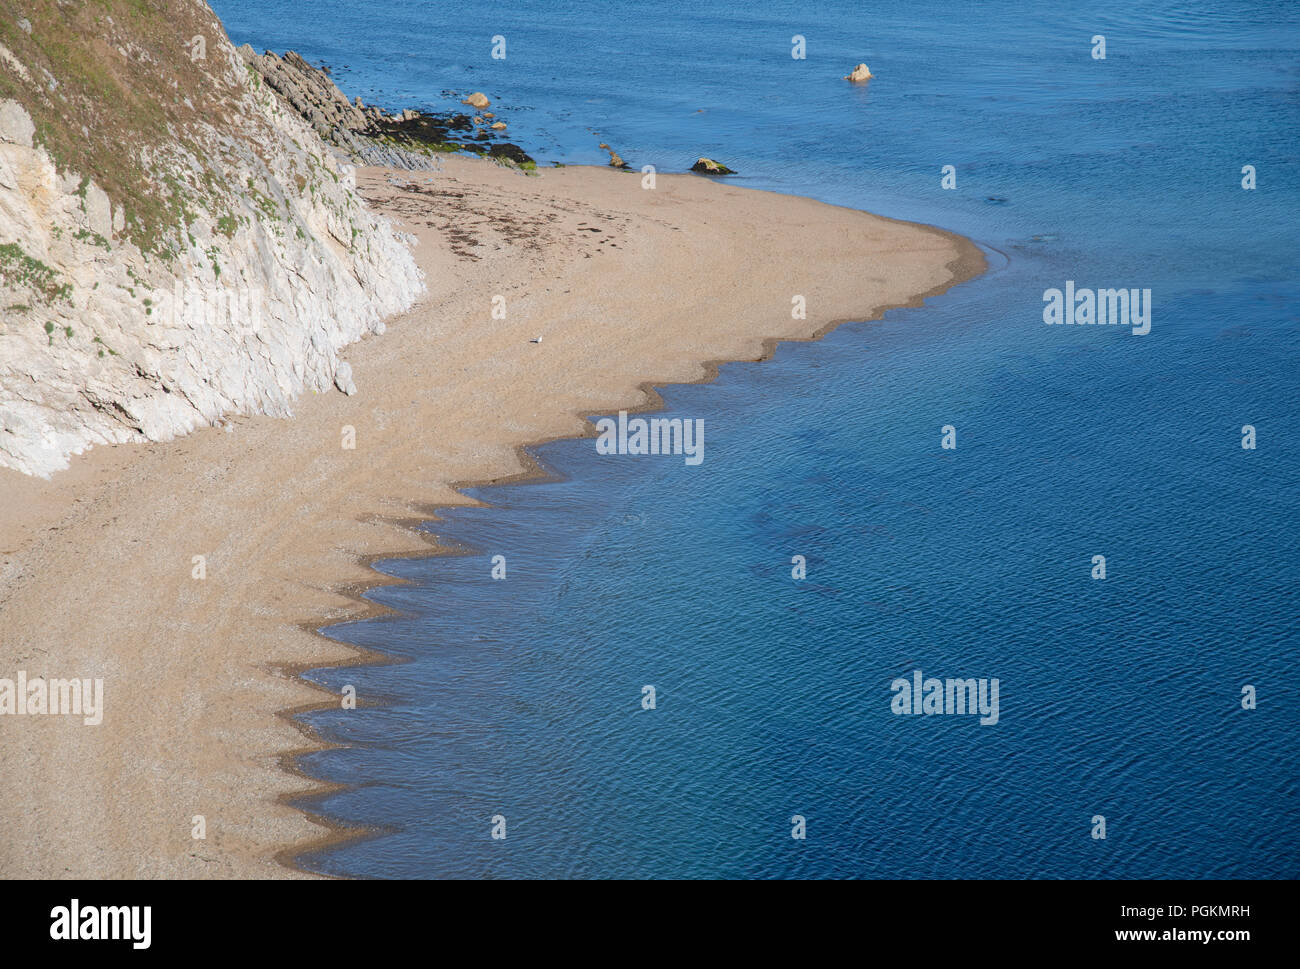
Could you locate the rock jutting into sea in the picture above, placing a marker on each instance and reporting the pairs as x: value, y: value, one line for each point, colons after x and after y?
x: 615, y: 159
x: 707, y: 166
x: 409, y: 139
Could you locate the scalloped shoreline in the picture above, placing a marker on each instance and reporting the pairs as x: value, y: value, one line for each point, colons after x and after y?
x: 202, y: 681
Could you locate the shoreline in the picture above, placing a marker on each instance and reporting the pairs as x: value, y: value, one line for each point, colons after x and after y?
x: 373, y: 520
x: 291, y: 855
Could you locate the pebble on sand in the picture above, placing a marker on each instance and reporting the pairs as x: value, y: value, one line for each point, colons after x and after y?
x: 343, y: 378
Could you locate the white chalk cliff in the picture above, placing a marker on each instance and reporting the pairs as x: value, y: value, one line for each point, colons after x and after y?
x: 114, y: 330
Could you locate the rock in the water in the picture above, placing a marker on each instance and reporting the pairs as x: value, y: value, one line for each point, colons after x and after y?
x: 343, y: 379
x: 615, y: 159
x: 498, y: 126
x: 707, y: 166
x: 477, y: 100
x: 513, y: 152
x: 860, y: 73
x: 349, y: 125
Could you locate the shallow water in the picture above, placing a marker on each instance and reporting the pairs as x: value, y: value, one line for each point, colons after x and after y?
x: 1118, y: 698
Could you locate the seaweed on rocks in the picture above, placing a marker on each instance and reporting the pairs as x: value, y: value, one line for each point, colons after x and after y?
x: 410, y: 139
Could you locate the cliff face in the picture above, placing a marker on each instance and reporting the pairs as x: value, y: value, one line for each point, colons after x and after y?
x: 176, y: 243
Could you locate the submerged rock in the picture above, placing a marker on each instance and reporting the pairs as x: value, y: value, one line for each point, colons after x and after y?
x: 707, y: 166
x: 860, y: 73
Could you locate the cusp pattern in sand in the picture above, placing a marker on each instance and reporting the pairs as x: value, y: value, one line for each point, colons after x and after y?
x: 628, y: 288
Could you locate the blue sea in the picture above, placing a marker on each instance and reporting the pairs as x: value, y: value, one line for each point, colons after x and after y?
x: 1119, y: 698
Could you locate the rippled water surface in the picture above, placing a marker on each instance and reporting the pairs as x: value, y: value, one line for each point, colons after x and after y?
x: 1119, y: 698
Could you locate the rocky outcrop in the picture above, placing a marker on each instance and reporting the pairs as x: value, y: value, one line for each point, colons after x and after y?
x: 707, y: 166
x: 350, y: 126
x: 343, y: 379
x: 368, y: 135
x: 477, y: 100
x: 615, y: 159
x: 215, y: 265
x: 859, y: 73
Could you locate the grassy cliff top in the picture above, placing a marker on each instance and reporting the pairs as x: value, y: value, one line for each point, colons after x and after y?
x: 128, y: 93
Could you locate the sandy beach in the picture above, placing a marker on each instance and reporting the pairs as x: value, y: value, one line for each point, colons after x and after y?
x: 627, y: 287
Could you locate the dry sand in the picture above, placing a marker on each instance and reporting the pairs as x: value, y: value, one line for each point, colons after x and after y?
x: 628, y: 287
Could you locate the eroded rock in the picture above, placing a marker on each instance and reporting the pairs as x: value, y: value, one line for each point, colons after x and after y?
x: 343, y: 378
x: 707, y: 166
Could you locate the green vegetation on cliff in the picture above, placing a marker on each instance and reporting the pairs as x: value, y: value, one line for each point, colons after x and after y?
x: 20, y: 271
x: 121, y: 91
